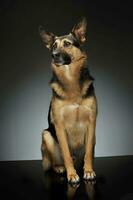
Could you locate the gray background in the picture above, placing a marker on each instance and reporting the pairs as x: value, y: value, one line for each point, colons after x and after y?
x: 25, y: 72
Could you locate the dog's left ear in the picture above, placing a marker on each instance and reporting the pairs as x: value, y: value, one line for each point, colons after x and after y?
x: 47, y: 37
x: 79, y: 30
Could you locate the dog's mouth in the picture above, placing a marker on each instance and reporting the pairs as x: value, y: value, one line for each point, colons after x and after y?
x: 61, y: 59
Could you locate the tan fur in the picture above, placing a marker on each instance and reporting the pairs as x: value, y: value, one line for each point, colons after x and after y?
x: 58, y: 89
x: 74, y: 117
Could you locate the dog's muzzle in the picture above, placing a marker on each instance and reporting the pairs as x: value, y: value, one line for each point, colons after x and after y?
x: 61, y: 58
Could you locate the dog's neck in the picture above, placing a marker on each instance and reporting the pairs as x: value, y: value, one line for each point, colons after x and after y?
x: 68, y: 74
x: 71, y: 81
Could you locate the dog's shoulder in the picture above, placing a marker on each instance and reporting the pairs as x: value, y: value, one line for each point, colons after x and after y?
x: 86, y: 83
x: 85, y: 75
x: 57, y: 87
x: 51, y: 126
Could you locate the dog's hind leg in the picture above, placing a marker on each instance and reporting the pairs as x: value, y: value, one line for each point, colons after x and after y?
x: 51, y: 155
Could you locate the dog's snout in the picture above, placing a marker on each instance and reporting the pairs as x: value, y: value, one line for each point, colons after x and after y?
x: 60, y: 58
x: 56, y: 55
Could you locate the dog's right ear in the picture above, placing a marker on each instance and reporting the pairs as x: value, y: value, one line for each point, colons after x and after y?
x: 47, y: 37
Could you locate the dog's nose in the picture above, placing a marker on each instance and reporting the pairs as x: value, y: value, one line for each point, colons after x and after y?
x: 55, y: 55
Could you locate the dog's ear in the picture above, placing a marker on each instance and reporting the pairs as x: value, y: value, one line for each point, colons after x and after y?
x: 47, y: 37
x: 79, y: 30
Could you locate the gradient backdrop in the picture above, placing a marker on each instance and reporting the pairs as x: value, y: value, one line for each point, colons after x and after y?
x: 25, y: 72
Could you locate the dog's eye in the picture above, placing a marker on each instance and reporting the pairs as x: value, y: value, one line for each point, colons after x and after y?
x: 67, y: 44
x: 54, y: 46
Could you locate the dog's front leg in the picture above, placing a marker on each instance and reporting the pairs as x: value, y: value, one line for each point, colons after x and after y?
x: 89, y: 173
x: 71, y: 172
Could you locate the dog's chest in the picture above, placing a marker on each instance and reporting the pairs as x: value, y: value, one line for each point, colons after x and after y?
x: 75, y: 114
x: 75, y: 119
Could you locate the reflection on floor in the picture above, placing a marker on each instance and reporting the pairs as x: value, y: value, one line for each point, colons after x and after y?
x: 26, y: 180
x: 56, y: 187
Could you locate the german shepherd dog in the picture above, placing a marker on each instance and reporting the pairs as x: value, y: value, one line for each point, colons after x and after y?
x: 70, y: 138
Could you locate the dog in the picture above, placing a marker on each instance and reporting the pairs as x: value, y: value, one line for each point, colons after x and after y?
x: 70, y: 138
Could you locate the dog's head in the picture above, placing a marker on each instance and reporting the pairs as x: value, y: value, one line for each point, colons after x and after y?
x: 65, y: 49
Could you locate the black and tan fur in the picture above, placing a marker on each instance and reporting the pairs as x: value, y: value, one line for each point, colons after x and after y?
x: 70, y: 137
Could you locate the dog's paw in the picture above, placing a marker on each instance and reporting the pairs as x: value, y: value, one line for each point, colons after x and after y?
x: 89, y: 175
x: 73, y: 178
x: 59, y: 169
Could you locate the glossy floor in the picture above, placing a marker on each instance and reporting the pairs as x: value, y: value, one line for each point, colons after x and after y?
x: 26, y: 180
